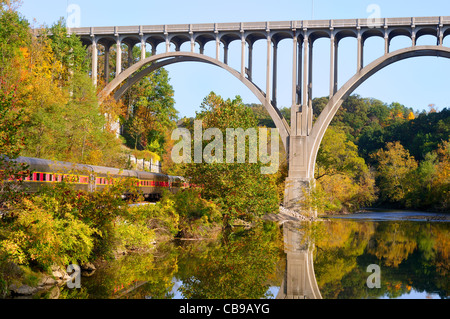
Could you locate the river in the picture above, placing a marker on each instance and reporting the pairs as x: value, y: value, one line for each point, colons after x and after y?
x: 372, y: 254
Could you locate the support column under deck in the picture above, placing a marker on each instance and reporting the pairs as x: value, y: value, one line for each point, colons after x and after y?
x: 118, y: 57
x: 106, y: 67
x: 94, y: 62
x: 274, y: 73
x: 268, y: 65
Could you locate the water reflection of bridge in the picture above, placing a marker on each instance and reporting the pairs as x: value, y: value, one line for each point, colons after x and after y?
x: 299, y: 281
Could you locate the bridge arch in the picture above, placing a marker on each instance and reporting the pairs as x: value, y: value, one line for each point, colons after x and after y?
x: 328, y: 113
x: 157, y: 61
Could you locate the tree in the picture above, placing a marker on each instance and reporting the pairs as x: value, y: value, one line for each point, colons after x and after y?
x: 240, y: 188
x: 395, y: 165
x: 68, y: 51
x: 151, y: 112
x: 344, y: 181
x: 338, y: 155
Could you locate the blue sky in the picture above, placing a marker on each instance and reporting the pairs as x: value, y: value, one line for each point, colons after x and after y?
x: 415, y: 82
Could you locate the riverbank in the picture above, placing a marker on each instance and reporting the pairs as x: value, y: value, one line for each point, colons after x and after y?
x: 377, y: 214
x: 285, y: 215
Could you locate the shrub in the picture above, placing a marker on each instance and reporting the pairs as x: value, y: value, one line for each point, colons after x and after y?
x: 160, y: 217
x: 190, y: 204
x: 133, y: 236
x: 39, y: 236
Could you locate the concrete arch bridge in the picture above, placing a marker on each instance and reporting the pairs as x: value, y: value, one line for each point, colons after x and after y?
x: 303, y: 136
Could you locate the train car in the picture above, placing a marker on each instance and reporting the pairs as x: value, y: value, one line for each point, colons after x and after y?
x: 104, y: 176
x: 44, y: 172
x: 177, y: 183
x: 91, y: 178
x: 152, y: 185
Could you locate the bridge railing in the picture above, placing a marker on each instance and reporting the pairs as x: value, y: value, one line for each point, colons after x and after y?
x: 203, y: 27
x: 426, y: 20
x: 249, y: 26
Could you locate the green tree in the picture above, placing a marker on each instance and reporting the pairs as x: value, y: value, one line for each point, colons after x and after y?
x: 68, y: 51
x: 343, y: 180
x: 240, y: 188
x: 151, y: 112
x: 395, y: 165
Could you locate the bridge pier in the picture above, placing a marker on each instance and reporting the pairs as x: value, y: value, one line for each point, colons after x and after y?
x: 300, y: 180
x: 295, y: 191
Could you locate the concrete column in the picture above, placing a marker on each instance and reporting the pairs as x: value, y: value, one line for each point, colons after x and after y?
x: 167, y: 44
x: 217, y: 47
x: 94, y: 62
x: 336, y: 65
x: 225, y: 53
x: 299, y: 72
x: 192, y: 44
x: 360, y: 57
x: 250, y: 61
x: 294, y: 76
x: 130, y: 54
x: 153, y: 49
x: 386, y: 43
x: 118, y: 57
x: 268, y: 70
x: 332, y: 64
x: 294, y: 105
x: 310, y: 87
x: 106, y: 68
x: 242, y: 54
x: 274, y: 75
x: 305, y: 91
x: 143, y: 49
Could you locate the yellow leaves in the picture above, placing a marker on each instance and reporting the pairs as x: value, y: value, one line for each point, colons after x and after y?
x: 394, y: 165
x: 113, y: 110
x: 95, y: 157
x: 411, y: 116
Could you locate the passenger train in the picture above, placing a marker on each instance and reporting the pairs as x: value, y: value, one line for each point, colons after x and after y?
x: 90, y: 178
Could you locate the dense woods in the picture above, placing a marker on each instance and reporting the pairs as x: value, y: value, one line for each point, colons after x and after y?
x: 379, y: 154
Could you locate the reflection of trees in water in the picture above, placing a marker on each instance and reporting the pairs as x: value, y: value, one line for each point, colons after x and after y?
x: 244, y: 263
x: 136, y: 276
x: 238, y: 268
x: 410, y: 254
